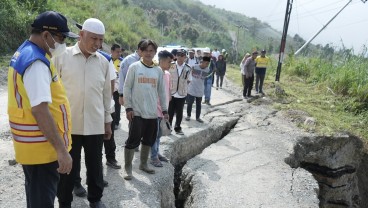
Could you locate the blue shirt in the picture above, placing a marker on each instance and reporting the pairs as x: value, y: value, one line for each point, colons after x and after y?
x: 132, y: 58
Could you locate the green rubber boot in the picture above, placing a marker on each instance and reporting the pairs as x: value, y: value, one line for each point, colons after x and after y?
x: 145, y: 150
x: 128, y: 157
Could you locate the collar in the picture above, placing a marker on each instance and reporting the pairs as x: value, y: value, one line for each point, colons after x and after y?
x: 76, y: 50
x: 180, y: 66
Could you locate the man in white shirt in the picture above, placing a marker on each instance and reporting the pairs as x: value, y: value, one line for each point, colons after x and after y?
x: 192, y: 60
x: 87, y: 81
x: 179, y: 79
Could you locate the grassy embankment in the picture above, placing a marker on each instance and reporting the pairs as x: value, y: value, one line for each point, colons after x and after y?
x: 334, y: 93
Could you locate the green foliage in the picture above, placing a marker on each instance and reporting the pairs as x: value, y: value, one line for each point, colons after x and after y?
x: 16, y: 16
x: 345, y: 76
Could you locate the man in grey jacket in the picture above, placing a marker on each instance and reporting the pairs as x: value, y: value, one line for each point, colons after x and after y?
x: 249, y: 66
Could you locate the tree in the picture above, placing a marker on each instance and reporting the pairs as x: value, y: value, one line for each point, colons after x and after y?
x: 162, y: 18
x: 189, y: 33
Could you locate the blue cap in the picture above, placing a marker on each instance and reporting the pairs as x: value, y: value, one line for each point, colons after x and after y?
x: 53, y: 21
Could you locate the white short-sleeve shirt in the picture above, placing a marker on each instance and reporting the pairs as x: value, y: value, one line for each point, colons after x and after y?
x: 37, y: 80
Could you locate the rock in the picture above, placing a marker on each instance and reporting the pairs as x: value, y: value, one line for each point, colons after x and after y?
x: 333, y: 161
x: 310, y: 121
x: 12, y: 162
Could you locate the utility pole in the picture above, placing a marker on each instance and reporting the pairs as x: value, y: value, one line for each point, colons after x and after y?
x: 324, y: 26
x: 283, y: 38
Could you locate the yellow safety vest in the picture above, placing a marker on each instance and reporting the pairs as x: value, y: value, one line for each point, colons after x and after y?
x: 262, y: 62
x: 30, y: 145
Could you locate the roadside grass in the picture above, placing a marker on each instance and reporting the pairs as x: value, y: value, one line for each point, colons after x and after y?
x: 331, y: 110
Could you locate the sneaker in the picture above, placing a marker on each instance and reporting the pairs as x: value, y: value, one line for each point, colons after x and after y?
x: 208, y: 103
x: 199, y: 120
x: 113, y: 164
x: 79, y: 191
x: 156, y: 163
x: 105, y: 183
x: 180, y: 132
x: 163, y: 158
x: 187, y: 118
x: 245, y: 97
x: 216, y: 88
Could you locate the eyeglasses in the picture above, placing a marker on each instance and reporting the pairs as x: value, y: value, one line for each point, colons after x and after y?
x: 61, y: 36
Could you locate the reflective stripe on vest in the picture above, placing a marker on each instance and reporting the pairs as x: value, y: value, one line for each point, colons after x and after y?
x: 18, y: 97
x: 65, y: 124
x: 24, y: 127
x: 29, y: 139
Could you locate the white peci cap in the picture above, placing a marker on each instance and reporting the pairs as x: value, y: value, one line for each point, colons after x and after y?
x: 94, y: 25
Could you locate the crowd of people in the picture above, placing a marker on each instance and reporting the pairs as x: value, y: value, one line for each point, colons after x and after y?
x: 65, y: 99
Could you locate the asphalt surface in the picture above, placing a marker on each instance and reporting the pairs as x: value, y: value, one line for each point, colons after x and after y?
x: 245, y: 168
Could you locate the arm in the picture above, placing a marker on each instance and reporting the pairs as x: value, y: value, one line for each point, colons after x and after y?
x: 128, y: 86
x: 246, y: 66
x: 122, y: 75
x: 112, y: 76
x: 47, y: 126
x: 162, y: 94
x: 107, y: 93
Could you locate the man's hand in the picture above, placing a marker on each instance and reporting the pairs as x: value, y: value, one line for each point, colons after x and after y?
x: 166, y: 117
x: 121, y: 100
x: 130, y: 115
x: 108, y: 131
x: 65, y: 162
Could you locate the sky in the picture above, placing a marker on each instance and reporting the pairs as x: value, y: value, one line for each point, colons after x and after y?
x: 308, y: 17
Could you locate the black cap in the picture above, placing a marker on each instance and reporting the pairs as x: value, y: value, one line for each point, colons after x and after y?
x: 263, y: 51
x: 181, y: 51
x: 53, y: 21
x: 174, y: 51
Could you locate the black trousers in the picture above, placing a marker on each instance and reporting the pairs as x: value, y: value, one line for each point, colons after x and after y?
x: 141, y: 129
x: 248, y: 85
x: 219, y: 78
x: 259, y: 82
x: 116, y: 118
x: 41, y: 183
x: 176, y: 106
x: 198, y: 100
x: 92, y: 145
x: 110, y: 145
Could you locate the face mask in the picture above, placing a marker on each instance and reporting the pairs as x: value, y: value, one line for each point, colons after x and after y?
x: 58, y: 50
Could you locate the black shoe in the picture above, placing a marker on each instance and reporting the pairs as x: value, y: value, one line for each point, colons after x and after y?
x: 98, y: 204
x: 105, y: 183
x: 79, y: 191
x: 113, y: 164
x: 180, y: 132
x: 199, y: 120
